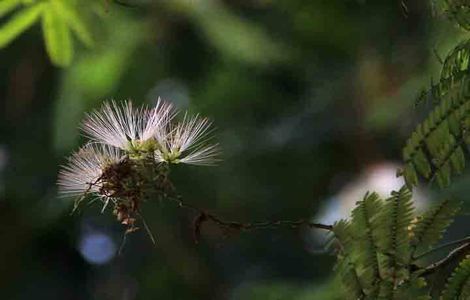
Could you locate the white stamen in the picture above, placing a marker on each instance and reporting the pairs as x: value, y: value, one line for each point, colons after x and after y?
x: 118, y: 125
x: 81, y: 175
x: 188, y: 142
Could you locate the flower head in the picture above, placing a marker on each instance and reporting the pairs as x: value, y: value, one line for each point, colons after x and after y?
x: 126, y: 127
x: 127, y: 159
x: 188, y: 142
x: 83, y: 172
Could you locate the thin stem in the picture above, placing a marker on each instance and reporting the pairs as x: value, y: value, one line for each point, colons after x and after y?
x: 449, y: 244
x: 204, y: 216
x: 147, y: 228
x: 123, y: 242
x: 453, y: 255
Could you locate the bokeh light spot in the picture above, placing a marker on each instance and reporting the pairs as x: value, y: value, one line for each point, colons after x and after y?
x: 97, y: 248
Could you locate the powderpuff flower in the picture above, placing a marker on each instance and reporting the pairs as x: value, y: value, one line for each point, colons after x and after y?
x: 188, y: 142
x: 126, y: 127
x: 82, y: 174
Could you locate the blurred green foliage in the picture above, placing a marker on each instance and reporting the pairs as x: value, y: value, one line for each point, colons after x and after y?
x: 305, y: 94
x: 59, y: 18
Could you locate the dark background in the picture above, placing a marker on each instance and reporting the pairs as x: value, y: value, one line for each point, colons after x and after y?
x: 313, y: 101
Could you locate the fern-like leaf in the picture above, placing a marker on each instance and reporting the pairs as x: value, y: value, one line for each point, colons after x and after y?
x: 459, y: 11
x: 393, y: 236
x: 343, y: 234
x: 432, y: 224
x: 458, y: 286
x: 377, y: 247
x: 363, y: 224
x: 350, y: 279
x: 386, y: 290
x: 454, y: 70
x: 345, y: 268
x: 435, y: 149
x: 414, y: 289
x: 449, y: 83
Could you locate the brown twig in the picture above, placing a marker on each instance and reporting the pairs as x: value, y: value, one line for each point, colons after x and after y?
x: 204, y: 216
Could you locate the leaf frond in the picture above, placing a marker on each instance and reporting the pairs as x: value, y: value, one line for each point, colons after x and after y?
x: 394, y: 240
x: 436, y: 149
x: 458, y: 286
x: 364, y: 219
x: 459, y: 12
x: 432, y: 224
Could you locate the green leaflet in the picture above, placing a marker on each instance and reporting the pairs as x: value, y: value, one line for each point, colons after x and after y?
x: 59, y: 18
x: 346, y: 270
x: 458, y: 286
x: 423, y: 166
x: 432, y: 224
x: 385, y: 290
x: 456, y: 61
x: 414, y: 289
x: 410, y: 175
x: 350, y: 279
x: 74, y: 20
x: 343, y: 234
x: 8, y: 5
x: 19, y: 22
x: 459, y: 11
x: 57, y: 37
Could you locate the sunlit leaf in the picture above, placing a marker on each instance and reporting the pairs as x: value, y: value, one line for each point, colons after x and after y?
x: 57, y: 37
x: 8, y: 5
x: 19, y: 22
x: 74, y: 21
